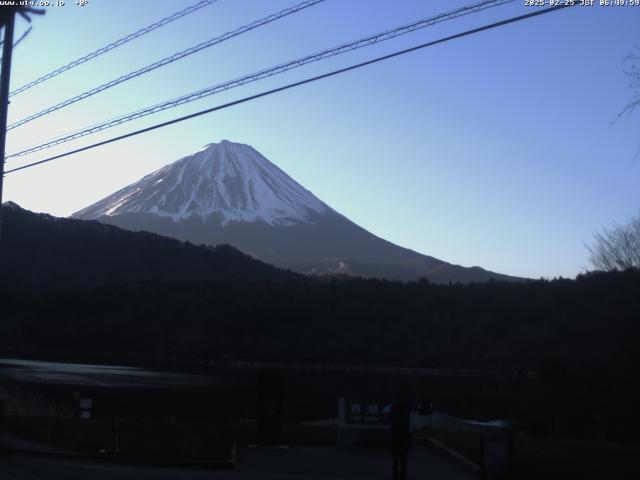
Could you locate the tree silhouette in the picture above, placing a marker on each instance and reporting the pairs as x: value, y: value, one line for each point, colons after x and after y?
x: 617, y: 248
x: 633, y: 72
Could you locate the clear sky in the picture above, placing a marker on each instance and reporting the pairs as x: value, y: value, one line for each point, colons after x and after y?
x: 498, y: 149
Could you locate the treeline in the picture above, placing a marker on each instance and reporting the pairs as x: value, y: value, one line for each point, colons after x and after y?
x: 581, y: 335
x: 588, y: 322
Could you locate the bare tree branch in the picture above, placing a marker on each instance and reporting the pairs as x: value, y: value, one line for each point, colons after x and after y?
x: 633, y: 72
x: 617, y: 248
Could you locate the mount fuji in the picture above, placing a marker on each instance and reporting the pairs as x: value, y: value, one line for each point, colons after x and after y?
x: 229, y: 193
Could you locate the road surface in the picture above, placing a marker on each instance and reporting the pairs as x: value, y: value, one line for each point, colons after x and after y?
x: 297, y: 463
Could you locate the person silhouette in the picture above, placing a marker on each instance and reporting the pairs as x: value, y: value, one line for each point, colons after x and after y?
x: 400, y: 434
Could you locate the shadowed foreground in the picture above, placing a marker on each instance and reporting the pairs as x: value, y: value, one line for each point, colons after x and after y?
x: 309, y: 463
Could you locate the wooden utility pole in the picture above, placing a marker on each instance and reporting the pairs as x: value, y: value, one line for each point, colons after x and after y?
x: 7, y: 49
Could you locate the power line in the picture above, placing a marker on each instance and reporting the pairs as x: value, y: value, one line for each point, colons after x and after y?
x: 354, y: 45
x: 22, y: 37
x: 165, y: 61
x: 297, y: 84
x: 117, y: 43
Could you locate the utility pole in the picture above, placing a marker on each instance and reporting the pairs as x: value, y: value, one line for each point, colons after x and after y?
x: 7, y: 49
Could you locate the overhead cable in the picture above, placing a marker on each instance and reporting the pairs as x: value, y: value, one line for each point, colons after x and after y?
x: 167, y: 60
x: 347, y: 47
x: 296, y: 84
x: 112, y: 45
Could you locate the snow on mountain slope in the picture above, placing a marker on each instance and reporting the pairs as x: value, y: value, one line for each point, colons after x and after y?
x: 229, y: 193
x: 229, y: 179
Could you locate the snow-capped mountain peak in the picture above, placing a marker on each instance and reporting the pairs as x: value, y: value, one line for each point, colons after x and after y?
x: 226, y: 179
x: 246, y: 201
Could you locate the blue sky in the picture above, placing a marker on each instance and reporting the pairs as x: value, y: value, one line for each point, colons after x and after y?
x: 498, y: 149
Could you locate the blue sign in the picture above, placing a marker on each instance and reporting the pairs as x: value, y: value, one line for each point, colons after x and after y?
x: 367, y: 412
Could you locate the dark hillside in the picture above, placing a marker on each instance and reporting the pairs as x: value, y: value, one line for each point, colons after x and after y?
x: 44, y: 252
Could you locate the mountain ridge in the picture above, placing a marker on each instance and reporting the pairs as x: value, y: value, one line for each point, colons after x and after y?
x: 229, y: 193
x: 43, y: 252
x: 227, y: 178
